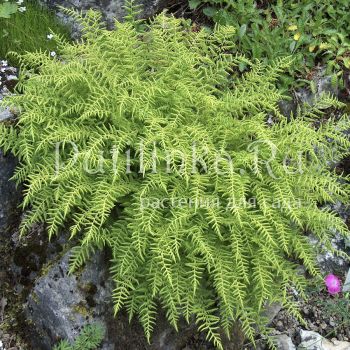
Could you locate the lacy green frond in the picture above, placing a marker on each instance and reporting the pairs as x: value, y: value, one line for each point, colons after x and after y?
x: 89, y: 339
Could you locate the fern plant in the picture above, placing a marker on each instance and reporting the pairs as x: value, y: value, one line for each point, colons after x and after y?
x: 165, y: 149
x: 89, y: 339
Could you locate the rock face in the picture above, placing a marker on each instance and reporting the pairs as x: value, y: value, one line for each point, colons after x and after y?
x: 111, y: 9
x: 314, y: 341
x: 322, y: 85
x: 9, y: 195
x: 346, y: 287
x: 328, y: 261
x: 61, y: 304
x: 5, y: 114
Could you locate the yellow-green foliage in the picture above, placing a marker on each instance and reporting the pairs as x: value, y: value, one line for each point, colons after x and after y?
x: 174, y: 87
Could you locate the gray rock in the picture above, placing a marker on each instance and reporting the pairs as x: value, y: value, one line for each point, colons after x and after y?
x: 110, y: 9
x: 314, y: 341
x: 61, y: 304
x: 31, y: 253
x: 271, y: 311
x: 5, y: 114
x: 9, y: 195
x: 346, y: 287
x: 304, y: 95
x: 322, y: 84
x: 283, y: 342
x: 288, y: 108
x: 328, y: 261
x: 336, y: 345
x: 310, y: 341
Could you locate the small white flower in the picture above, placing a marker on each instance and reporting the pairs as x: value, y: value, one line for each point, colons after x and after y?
x: 52, y: 53
x: 20, y: 2
x: 2, y: 70
x: 22, y: 9
x: 49, y: 36
x: 4, y: 63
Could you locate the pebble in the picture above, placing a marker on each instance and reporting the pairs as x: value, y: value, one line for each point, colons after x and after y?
x: 324, y: 325
x: 331, y: 322
x: 6, y: 337
x: 313, y: 327
x: 279, y: 325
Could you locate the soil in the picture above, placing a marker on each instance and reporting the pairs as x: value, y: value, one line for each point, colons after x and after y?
x: 323, y: 313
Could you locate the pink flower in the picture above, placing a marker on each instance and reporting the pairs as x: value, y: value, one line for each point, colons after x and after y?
x: 333, y: 284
